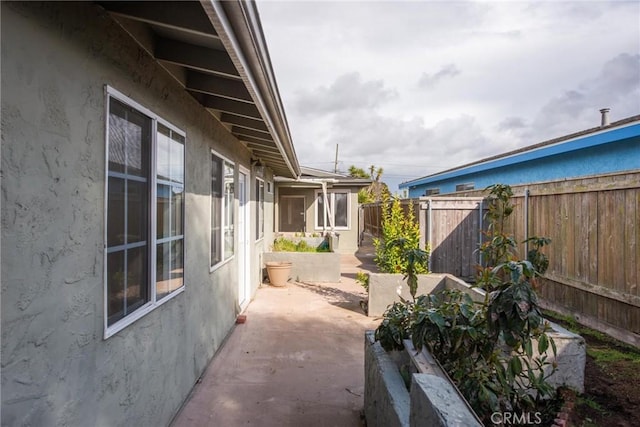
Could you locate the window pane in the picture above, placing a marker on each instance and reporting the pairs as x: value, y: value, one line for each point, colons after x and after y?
x: 136, y: 211
x: 259, y: 209
x: 229, y: 203
x: 177, y: 264
x: 177, y: 160
x: 163, y: 269
x: 320, y: 216
x: 177, y: 210
x: 169, y: 270
x: 115, y: 286
x: 163, y: 210
x: 117, y: 126
x: 136, y: 289
x: 129, y: 139
x: 115, y: 212
x: 341, y: 202
x: 162, y: 156
x: 216, y: 237
x: 216, y: 209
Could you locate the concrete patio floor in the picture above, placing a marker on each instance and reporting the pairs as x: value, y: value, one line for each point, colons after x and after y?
x: 297, y: 361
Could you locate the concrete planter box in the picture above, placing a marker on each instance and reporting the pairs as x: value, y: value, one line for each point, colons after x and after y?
x: 431, y: 402
x: 385, y: 288
x: 431, y: 397
x: 309, y: 266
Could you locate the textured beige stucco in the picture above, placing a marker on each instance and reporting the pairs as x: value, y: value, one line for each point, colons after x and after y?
x: 56, y: 367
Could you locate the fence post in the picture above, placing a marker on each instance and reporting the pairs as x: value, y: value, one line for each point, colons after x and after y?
x: 526, y: 221
x: 422, y: 224
x: 429, y: 227
x: 480, y: 228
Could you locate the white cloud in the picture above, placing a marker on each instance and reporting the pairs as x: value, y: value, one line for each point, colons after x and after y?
x: 347, y: 92
x: 617, y: 86
x: 494, y: 76
x: 446, y: 72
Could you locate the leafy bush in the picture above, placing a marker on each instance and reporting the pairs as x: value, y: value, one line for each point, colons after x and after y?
x: 399, y: 233
x: 486, y: 348
x: 282, y: 244
x: 499, y: 247
x: 363, y: 279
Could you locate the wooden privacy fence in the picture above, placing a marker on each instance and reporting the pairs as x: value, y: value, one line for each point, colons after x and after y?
x: 452, y: 228
x: 594, y: 256
x: 371, y: 215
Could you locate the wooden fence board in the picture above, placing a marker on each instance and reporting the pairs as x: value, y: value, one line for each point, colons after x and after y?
x: 619, y: 242
x: 630, y: 239
x: 594, y: 225
x: 637, y: 257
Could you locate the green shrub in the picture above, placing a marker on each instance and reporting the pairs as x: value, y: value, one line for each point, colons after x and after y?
x: 396, y: 226
x: 362, y: 279
x: 282, y: 244
x: 486, y: 348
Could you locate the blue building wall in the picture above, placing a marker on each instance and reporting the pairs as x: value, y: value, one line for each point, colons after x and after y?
x: 607, y: 152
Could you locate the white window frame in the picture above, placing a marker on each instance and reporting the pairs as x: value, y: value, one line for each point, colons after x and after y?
x: 223, y: 215
x: 331, y: 198
x: 153, y: 303
x: 259, y: 209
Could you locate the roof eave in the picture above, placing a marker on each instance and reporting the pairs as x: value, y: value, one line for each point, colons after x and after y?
x: 238, y: 25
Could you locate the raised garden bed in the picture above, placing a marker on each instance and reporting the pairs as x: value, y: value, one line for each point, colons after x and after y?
x: 430, y: 401
x: 571, y: 357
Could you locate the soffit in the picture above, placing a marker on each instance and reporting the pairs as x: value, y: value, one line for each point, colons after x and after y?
x: 181, y: 37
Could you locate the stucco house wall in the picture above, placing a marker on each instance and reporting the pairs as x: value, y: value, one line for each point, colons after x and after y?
x: 57, y: 369
x: 348, y: 242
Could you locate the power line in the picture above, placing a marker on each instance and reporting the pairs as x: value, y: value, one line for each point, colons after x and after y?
x: 423, y: 165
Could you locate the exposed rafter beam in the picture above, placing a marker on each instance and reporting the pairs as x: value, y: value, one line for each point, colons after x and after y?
x: 253, y: 133
x: 195, y: 57
x: 269, y: 148
x: 219, y: 86
x: 180, y: 15
x: 267, y: 156
x: 254, y: 142
x: 227, y: 105
x: 244, y: 122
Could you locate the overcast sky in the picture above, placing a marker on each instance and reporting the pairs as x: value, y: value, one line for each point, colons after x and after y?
x: 419, y: 87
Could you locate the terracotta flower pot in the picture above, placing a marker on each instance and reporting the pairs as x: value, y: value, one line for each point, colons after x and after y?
x: 279, y: 272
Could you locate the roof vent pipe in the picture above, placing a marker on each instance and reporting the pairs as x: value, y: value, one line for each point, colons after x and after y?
x: 605, y: 117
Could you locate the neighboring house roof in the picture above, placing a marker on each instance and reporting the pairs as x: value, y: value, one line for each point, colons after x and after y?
x: 217, y: 52
x: 622, y: 129
x: 312, y: 176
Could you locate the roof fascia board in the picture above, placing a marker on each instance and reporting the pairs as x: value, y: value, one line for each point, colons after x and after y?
x: 598, y: 138
x: 216, y: 12
x: 250, y: 11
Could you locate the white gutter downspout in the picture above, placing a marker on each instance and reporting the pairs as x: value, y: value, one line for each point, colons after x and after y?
x: 327, y: 209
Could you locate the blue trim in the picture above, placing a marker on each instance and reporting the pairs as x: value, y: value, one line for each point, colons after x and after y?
x: 617, y: 156
x: 562, y: 147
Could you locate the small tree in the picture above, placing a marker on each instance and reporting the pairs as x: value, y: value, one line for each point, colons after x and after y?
x: 396, y: 226
x: 486, y: 348
x: 377, y: 190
